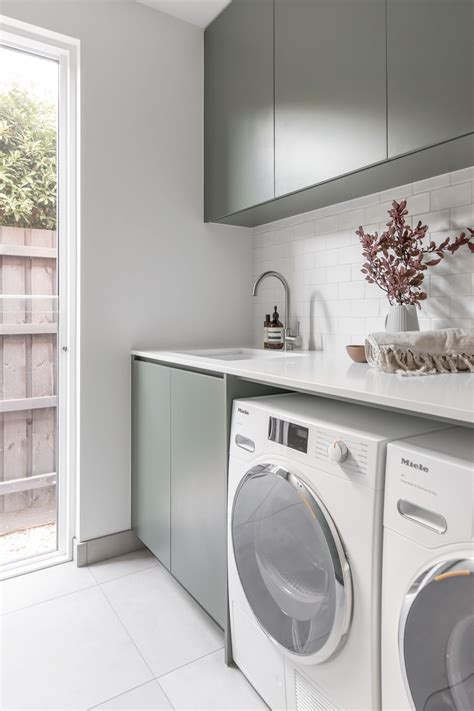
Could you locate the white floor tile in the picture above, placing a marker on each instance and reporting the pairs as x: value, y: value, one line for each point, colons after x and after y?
x: 167, y: 626
x: 25, y: 590
x: 123, y: 565
x: 145, y: 698
x: 68, y: 653
x: 209, y: 684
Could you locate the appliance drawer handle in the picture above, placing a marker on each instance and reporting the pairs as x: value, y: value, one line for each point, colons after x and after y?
x: 245, y: 443
x: 423, y: 517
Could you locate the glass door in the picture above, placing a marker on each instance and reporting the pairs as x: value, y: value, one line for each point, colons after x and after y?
x: 291, y: 563
x: 437, y: 638
x: 37, y: 300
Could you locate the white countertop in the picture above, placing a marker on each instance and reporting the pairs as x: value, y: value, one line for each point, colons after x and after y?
x: 445, y: 396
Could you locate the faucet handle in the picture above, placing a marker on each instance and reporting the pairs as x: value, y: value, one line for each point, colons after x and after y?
x: 293, y: 341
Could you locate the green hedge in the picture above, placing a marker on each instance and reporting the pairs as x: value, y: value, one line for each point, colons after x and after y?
x: 28, y: 180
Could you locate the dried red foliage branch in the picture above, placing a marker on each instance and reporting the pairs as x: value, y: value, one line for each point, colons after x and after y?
x: 397, y: 259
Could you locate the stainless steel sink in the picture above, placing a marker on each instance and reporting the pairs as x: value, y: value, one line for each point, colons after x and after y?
x: 227, y: 354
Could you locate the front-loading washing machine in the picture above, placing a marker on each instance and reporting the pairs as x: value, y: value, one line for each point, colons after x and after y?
x: 428, y: 574
x: 305, y: 503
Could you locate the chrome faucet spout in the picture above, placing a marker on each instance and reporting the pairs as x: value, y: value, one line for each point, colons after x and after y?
x: 286, y: 288
x: 290, y: 340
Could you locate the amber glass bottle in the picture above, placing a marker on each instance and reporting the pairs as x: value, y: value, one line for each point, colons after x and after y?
x: 276, y: 333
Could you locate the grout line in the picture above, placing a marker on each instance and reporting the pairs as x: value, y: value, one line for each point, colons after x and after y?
x: 133, y: 688
x: 126, y: 630
x: 164, y: 692
x: 49, y: 599
x: 186, y: 664
x: 160, y: 676
x: 156, y: 564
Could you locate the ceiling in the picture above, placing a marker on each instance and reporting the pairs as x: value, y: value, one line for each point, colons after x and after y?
x: 197, y: 12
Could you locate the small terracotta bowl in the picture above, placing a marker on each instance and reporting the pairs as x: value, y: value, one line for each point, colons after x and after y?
x: 357, y: 353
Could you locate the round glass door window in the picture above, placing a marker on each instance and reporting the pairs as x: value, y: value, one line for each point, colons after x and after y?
x: 291, y: 562
x: 437, y: 635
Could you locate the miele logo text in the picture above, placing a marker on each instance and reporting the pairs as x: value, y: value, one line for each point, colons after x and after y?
x: 413, y: 465
x: 244, y: 412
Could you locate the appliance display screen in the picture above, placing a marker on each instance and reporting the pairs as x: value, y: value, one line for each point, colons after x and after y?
x: 288, y: 434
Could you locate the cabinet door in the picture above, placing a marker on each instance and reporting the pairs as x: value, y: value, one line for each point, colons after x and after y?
x: 330, y: 89
x: 430, y: 76
x: 198, y: 488
x: 238, y: 108
x: 151, y: 457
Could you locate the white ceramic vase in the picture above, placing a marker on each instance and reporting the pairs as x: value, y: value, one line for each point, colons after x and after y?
x: 402, y: 317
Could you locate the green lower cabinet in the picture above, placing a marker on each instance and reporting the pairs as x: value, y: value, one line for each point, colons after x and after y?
x: 198, y: 488
x: 151, y: 457
x: 179, y: 465
x: 180, y: 432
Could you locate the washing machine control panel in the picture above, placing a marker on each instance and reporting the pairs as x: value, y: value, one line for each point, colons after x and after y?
x: 324, y: 446
x: 337, y: 451
x: 288, y: 434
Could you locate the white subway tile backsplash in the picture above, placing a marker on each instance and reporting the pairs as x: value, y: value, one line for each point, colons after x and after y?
x: 326, y: 224
x: 451, y: 285
x: 363, y: 307
x: 419, y: 203
x: 351, y: 220
x: 372, y: 325
x: 436, y: 307
x: 339, y: 274
x: 325, y: 292
x: 348, y: 324
x: 349, y: 255
x: 401, y: 193
x: 327, y: 258
x: 462, y: 217
x: 320, y: 255
x: 339, y: 239
x: 356, y: 274
x: 303, y: 229
x: 462, y: 307
x: 438, y: 181
x: 451, y: 197
x: 316, y: 244
x: 303, y: 261
x: 319, y: 275
x: 438, y: 221
x: 351, y: 290
x: 437, y: 323
x: 377, y: 213
x: 461, y: 176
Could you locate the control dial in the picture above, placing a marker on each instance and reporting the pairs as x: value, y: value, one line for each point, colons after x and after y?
x: 337, y: 451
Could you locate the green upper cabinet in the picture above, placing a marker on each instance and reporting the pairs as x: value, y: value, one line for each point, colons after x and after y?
x: 430, y: 74
x: 312, y: 102
x: 330, y: 89
x: 238, y: 108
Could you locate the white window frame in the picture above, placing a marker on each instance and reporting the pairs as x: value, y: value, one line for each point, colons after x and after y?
x: 66, y: 51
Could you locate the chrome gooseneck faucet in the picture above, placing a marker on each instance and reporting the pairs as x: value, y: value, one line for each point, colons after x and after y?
x: 292, y: 340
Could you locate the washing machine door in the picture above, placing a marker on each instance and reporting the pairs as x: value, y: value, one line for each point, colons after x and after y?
x: 437, y: 638
x: 291, y: 563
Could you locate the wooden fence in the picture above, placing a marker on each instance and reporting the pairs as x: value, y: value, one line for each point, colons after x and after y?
x: 28, y: 377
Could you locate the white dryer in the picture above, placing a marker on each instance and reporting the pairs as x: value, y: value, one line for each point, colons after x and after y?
x: 428, y: 574
x: 305, y: 534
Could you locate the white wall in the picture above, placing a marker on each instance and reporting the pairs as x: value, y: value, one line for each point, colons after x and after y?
x: 320, y: 254
x: 153, y: 275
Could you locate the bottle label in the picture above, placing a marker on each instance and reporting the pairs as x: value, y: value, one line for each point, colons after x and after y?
x: 274, y: 335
